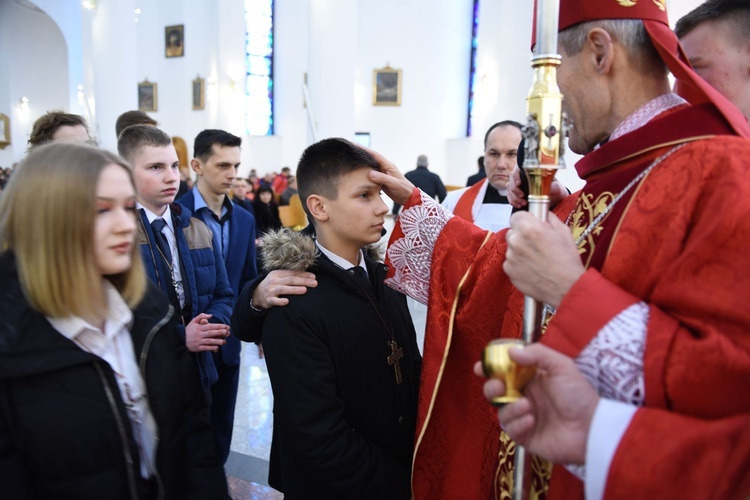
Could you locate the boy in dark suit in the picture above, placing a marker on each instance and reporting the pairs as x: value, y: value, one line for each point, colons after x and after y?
x: 216, y: 157
x: 342, y: 358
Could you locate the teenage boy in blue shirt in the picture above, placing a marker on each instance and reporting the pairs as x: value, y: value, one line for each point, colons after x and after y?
x: 216, y: 157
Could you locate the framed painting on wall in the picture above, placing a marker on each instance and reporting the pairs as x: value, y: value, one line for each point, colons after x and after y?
x: 199, y: 93
x: 147, y: 96
x: 4, y: 131
x: 174, y: 41
x: 386, y: 87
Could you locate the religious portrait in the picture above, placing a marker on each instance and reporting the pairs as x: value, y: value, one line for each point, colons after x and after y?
x: 4, y: 131
x: 147, y: 96
x: 174, y: 41
x: 199, y: 93
x: 386, y: 87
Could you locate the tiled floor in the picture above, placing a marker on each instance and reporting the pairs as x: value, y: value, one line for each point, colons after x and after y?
x: 247, y: 467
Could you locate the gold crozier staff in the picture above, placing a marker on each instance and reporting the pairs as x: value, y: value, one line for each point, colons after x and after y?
x: 542, y: 158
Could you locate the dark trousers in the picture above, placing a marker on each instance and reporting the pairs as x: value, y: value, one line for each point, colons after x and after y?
x: 224, y: 399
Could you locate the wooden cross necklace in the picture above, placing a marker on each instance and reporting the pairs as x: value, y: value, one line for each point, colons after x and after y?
x: 394, y: 358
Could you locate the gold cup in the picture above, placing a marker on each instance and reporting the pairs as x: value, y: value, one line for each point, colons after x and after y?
x: 497, y: 364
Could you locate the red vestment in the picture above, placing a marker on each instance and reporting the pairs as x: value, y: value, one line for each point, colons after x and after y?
x: 677, y: 241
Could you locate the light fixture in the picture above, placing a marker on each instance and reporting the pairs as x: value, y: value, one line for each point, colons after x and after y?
x: 24, y: 104
x: 89, y: 4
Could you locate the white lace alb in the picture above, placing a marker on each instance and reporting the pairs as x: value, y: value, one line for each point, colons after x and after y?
x: 613, y: 360
x: 411, y: 256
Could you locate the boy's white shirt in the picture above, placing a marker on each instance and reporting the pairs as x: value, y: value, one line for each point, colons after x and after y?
x: 340, y: 261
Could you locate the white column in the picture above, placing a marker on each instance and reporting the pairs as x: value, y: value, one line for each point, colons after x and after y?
x: 112, y: 46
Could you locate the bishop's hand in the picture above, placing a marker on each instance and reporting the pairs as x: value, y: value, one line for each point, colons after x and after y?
x: 553, y: 417
x: 542, y: 260
x: 396, y: 186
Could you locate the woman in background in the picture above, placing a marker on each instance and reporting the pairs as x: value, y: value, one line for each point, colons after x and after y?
x: 98, y: 396
x: 266, y: 211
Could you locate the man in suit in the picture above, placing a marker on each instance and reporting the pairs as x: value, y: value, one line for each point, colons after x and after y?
x: 216, y: 157
x: 427, y: 181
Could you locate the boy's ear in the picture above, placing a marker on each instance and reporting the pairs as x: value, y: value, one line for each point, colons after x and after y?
x: 196, y: 166
x: 317, y: 206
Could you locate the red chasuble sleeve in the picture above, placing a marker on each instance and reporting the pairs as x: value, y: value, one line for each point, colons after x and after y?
x: 664, y: 455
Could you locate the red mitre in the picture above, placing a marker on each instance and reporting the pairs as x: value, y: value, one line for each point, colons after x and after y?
x: 689, y: 85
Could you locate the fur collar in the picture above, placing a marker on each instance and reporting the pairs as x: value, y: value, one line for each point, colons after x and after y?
x: 297, y: 251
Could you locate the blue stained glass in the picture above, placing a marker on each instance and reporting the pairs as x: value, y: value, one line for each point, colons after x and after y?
x: 259, y: 24
x: 259, y: 67
x: 259, y: 105
x: 260, y: 45
x: 257, y: 85
x: 472, y: 68
x: 259, y: 8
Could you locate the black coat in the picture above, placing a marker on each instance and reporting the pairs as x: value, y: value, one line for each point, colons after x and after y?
x: 266, y: 217
x: 343, y: 428
x: 64, y: 430
x: 427, y: 181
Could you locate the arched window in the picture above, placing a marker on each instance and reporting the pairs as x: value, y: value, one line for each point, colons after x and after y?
x: 473, y: 67
x: 259, y: 66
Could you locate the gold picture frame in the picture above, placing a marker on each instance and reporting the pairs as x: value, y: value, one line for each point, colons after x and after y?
x: 199, y: 93
x: 4, y: 131
x: 147, y: 96
x: 386, y: 87
x: 174, y: 41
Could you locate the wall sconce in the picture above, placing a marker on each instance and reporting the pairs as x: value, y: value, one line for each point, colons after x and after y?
x: 24, y: 105
x: 212, y: 90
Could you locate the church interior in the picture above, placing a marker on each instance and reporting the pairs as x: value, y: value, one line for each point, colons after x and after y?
x: 404, y: 77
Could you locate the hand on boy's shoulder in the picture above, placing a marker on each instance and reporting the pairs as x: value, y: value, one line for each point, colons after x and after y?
x: 272, y: 290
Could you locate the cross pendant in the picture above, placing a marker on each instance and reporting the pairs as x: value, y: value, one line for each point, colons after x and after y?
x: 394, y: 359
x: 174, y: 285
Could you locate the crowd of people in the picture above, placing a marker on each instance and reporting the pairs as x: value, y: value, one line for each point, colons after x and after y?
x: 128, y: 288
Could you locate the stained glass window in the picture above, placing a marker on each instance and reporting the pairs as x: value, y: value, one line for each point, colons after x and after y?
x: 473, y: 67
x: 259, y: 67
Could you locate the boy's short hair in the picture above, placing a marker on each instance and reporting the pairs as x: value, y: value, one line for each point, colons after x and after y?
x: 54, y: 247
x: 204, y: 141
x: 134, y: 138
x: 130, y: 118
x: 737, y: 12
x: 46, y: 125
x: 322, y: 165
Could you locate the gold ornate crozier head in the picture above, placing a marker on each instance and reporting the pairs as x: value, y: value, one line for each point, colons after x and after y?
x: 497, y: 364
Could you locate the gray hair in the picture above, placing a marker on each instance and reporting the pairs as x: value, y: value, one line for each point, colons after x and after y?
x: 630, y: 33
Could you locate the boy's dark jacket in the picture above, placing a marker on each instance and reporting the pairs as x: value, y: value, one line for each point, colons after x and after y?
x: 203, y: 272
x: 64, y: 430
x: 343, y: 428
